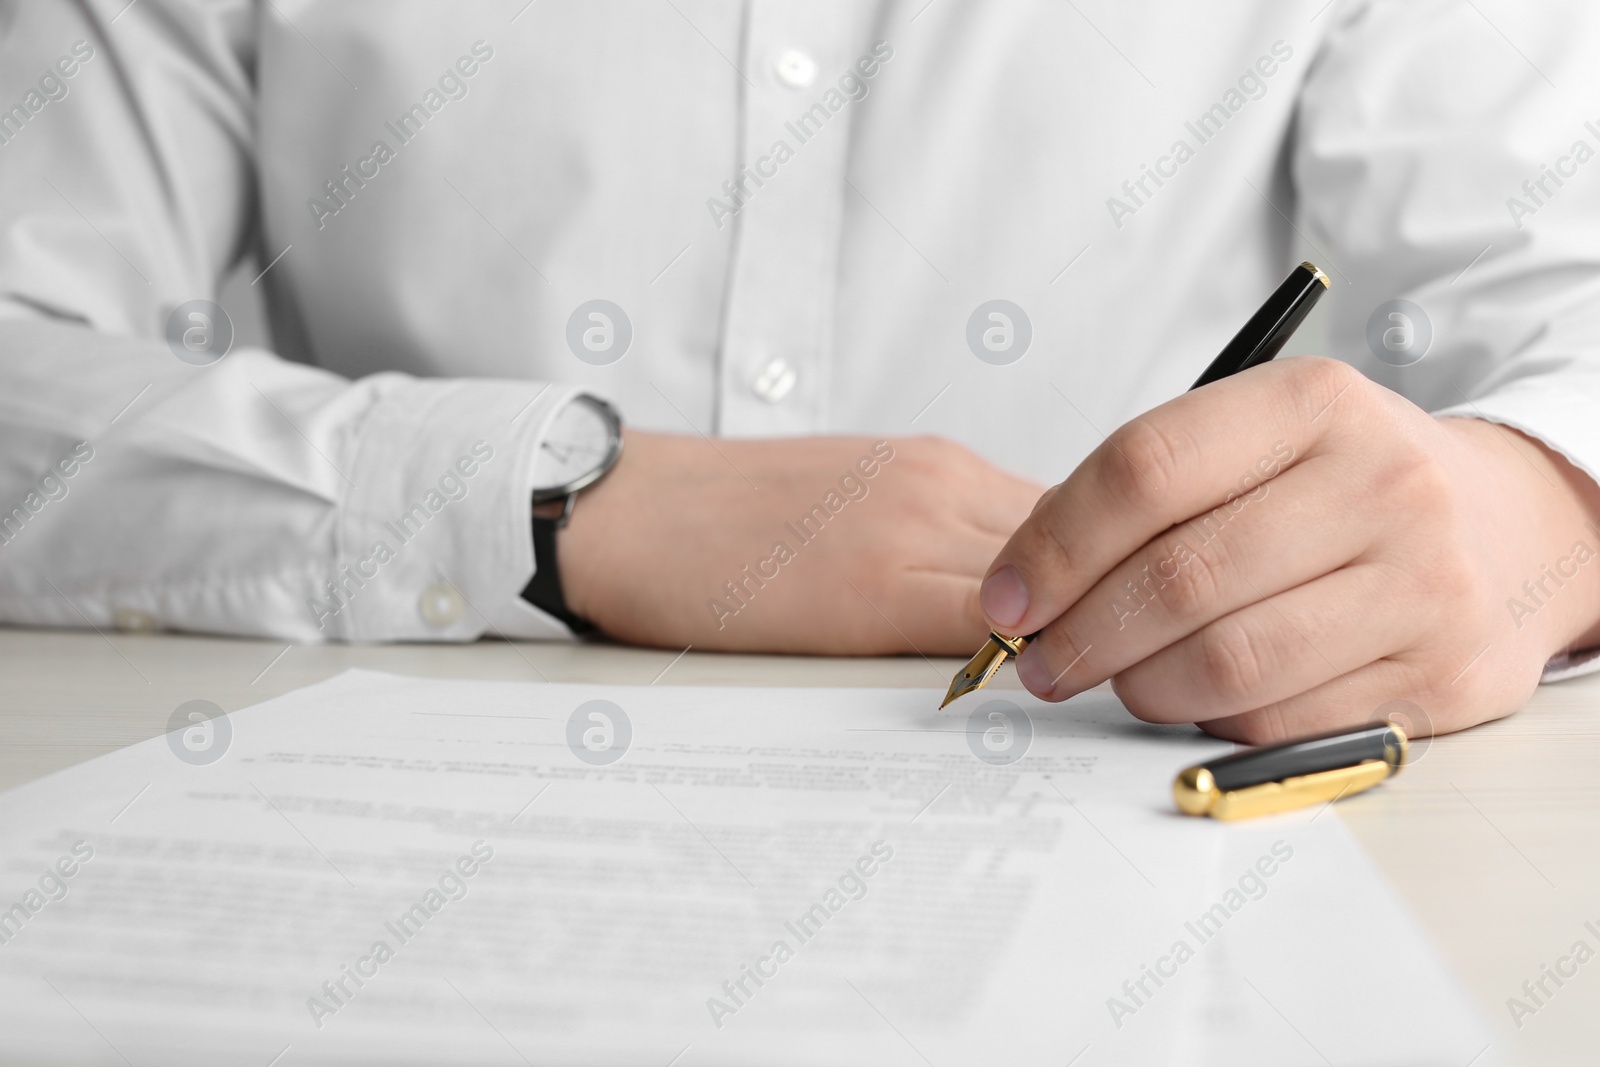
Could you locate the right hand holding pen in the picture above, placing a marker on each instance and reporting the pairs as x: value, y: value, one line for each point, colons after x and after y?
x: 1284, y: 552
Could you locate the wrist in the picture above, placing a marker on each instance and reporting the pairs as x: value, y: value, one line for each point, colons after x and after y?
x: 1546, y: 513
x: 581, y: 543
x: 580, y: 447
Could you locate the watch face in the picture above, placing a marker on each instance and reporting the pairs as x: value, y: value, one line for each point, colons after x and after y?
x: 582, y: 444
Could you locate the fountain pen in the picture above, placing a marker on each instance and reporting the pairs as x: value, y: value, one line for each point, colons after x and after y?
x: 1262, y: 338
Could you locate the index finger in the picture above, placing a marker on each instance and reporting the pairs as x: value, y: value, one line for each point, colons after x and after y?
x: 1185, y: 457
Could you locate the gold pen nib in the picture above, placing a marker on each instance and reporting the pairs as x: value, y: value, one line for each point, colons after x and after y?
x: 982, y: 667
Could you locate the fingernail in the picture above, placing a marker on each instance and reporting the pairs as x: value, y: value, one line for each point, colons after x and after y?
x: 1032, y: 672
x: 1004, y: 597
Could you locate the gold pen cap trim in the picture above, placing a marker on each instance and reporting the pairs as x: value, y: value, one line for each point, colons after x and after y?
x: 1195, y: 791
x: 1270, y: 798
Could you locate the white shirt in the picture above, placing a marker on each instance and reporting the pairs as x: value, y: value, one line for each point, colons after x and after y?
x: 935, y: 156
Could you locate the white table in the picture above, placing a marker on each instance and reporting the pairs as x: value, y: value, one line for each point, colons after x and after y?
x: 1492, y: 837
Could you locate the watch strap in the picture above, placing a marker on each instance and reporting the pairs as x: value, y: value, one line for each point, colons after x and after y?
x: 543, y: 590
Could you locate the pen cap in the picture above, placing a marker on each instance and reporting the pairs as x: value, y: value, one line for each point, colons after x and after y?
x: 1310, y: 755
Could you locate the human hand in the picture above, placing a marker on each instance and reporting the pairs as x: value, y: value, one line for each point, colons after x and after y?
x: 1286, y: 550
x: 888, y: 563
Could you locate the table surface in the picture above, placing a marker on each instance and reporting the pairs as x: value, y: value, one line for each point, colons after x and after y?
x: 1490, y: 836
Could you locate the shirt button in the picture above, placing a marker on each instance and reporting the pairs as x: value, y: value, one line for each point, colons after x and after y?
x: 134, y: 621
x: 775, y: 381
x: 795, y: 69
x: 440, y: 605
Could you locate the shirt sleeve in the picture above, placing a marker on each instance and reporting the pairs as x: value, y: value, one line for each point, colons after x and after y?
x: 1447, y: 161
x: 251, y: 495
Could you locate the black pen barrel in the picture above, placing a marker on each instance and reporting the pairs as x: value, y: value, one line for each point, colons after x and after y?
x: 1270, y: 328
x: 1309, y: 755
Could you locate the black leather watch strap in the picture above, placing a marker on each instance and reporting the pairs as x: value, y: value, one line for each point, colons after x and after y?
x: 543, y: 590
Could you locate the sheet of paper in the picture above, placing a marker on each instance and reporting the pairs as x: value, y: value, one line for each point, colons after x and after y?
x: 387, y: 869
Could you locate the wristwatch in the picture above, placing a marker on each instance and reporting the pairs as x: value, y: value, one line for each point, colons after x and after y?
x: 583, y: 444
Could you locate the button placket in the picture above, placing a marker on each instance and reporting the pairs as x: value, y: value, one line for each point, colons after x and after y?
x: 779, y: 323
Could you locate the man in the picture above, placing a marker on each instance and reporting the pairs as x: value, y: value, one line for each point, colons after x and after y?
x: 780, y: 238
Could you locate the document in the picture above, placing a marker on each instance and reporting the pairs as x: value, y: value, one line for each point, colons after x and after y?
x: 408, y: 871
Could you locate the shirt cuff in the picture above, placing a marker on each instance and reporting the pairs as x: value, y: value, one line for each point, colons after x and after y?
x: 435, y: 540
